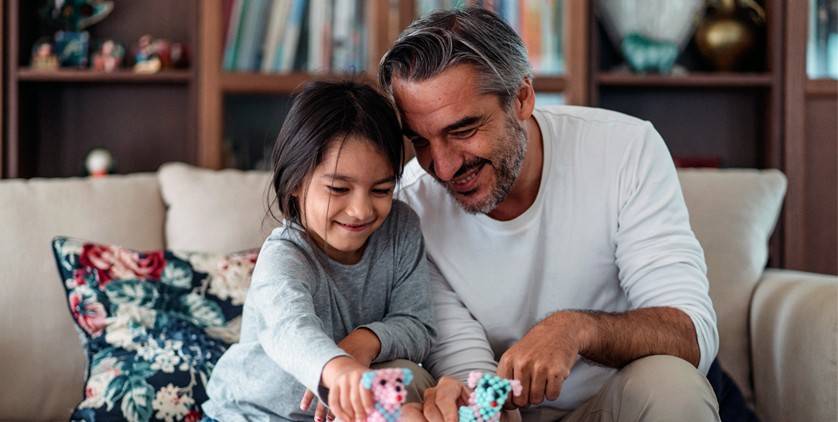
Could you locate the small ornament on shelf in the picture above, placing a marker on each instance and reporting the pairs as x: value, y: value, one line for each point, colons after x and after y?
x: 43, y: 56
x: 70, y: 18
x: 152, y: 55
x: 108, y: 57
x: 99, y: 162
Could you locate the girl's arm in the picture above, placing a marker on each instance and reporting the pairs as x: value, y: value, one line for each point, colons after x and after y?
x: 407, y: 330
x: 289, y: 330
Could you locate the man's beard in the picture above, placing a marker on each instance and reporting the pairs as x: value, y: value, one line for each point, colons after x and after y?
x: 507, y: 159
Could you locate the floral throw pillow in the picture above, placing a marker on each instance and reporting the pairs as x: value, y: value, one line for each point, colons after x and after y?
x: 153, y: 325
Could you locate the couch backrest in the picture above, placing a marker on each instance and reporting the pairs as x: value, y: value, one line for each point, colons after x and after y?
x: 733, y: 213
x: 41, y: 357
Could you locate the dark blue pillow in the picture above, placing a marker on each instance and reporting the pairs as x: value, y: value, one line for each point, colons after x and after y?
x: 153, y: 324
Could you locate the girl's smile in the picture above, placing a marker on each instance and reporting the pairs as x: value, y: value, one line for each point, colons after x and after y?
x: 347, y: 198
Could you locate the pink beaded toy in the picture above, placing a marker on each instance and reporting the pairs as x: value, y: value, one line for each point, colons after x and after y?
x: 487, y: 399
x: 388, y: 392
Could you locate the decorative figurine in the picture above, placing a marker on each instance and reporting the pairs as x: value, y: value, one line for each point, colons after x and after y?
x: 70, y: 18
x: 487, y: 399
x: 151, y: 54
x: 99, y: 163
x: 388, y: 391
x: 43, y: 58
x: 108, y: 57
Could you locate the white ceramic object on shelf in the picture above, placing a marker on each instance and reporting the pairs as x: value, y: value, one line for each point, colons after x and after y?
x: 660, y: 20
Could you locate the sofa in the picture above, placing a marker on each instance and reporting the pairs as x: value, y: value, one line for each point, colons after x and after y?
x: 778, y: 328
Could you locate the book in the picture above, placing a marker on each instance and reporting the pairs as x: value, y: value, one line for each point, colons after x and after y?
x: 291, y: 39
x: 273, y: 37
x: 252, y: 34
x: 233, y: 29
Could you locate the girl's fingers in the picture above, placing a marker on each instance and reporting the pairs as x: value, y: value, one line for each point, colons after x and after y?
x: 320, y: 413
x: 334, y: 402
x: 305, y: 403
x: 366, y: 399
x: 358, y: 403
x: 346, y: 404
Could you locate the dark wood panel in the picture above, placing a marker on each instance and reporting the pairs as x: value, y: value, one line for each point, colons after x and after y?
x: 143, y: 128
x: 822, y: 184
x: 698, y: 123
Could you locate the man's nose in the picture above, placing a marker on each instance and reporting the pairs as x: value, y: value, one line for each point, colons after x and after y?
x: 446, y: 161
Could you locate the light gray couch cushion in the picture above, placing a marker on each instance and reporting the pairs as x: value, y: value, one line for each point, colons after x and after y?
x: 41, y: 357
x: 215, y: 211
x: 733, y: 213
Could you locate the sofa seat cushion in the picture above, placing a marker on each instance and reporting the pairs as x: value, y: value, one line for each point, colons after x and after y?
x: 215, y: 211
x: 733, y: 213
x: 34, y: 321
x: 153, y: 325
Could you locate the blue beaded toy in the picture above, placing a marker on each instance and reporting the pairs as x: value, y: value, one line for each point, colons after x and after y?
x: 487, y: 398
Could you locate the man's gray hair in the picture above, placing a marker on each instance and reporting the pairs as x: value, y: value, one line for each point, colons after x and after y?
x: 444, y: 39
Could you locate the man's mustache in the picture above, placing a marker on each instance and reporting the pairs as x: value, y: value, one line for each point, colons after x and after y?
x: 465, y: 168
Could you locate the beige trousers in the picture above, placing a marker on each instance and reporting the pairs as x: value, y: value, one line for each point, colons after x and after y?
x: 421, y: 378
x: 655, y: 388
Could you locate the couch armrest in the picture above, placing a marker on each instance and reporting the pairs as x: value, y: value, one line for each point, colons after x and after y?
x: 794, y: 346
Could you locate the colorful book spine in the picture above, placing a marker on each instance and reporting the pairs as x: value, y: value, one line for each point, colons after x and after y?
x: 291, y: 39
x: 233, y: 35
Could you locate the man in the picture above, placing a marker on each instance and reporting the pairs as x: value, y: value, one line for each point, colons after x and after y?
x: 561, y: 247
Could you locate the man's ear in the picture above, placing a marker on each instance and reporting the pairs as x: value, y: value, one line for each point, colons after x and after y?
x: 525, y: 100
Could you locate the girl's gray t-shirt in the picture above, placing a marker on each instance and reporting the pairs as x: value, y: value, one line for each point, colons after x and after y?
x: 301, y: 303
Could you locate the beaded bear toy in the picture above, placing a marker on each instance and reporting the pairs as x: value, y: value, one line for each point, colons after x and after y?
x: 388, y: 392
x: 487, y: 398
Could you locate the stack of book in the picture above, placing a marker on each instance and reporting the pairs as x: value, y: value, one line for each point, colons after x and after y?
x: 316, y: 36
x: 538, y: 22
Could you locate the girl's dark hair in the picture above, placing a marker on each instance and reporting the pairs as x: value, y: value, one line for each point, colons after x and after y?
x: 324, y: 112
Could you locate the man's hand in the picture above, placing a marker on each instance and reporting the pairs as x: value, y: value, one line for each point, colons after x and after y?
x: 543, y: 358
x: 443, y: 400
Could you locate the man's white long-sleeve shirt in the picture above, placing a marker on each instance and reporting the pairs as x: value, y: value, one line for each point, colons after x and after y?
x: 608, y: 231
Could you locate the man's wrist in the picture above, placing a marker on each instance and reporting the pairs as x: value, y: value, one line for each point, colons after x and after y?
x: 580, y: 327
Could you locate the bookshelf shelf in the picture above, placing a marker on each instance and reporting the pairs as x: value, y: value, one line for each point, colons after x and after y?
x: 63, y: 75
x: 697, y: 80
x: 822, y: 87
x: 550, y: 83
x: 271, y: 83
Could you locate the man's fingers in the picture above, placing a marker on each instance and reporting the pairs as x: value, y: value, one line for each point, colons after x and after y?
x: 554, y: 386
x: 522, y: 374
x: 448, y: 408
x: 305, y: 403
x: 504, y: 369
x: 429, y: 409
x: 538, y: 384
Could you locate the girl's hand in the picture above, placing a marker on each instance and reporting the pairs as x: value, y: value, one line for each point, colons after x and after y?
x: 320, y: 413
x: 347, y: 399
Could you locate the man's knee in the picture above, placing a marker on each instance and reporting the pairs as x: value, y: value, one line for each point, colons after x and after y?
x: 665, y: 388
x: 422, y: 379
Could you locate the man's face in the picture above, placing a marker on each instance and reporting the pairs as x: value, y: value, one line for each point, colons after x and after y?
x: 467, y: 141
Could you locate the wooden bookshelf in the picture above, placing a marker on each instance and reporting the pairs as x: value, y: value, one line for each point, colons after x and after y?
x: 64, y: 75
x: 822, y: 88
x: 694, y: 80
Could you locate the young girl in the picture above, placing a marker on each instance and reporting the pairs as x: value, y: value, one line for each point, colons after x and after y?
x: 343, y: 282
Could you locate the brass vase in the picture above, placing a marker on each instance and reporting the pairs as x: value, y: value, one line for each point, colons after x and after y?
x: 728, y: 33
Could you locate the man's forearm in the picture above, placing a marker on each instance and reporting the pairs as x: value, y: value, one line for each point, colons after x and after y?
x: 617, y: 339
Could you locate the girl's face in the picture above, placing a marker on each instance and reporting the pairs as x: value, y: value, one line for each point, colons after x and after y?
x: 347, y: 198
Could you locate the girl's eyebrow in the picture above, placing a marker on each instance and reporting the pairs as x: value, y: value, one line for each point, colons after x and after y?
x: 344, y: 178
